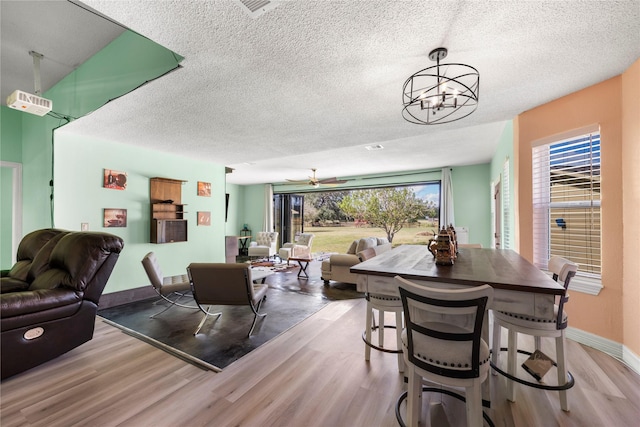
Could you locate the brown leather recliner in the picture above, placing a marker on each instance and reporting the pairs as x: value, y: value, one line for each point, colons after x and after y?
x: 50, y: 297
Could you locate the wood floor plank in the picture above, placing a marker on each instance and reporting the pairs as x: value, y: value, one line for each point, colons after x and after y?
x: 312, y: 375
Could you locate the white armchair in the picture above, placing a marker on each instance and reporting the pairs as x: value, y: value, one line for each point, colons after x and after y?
x: 300, y: 249
x: 265, y: 244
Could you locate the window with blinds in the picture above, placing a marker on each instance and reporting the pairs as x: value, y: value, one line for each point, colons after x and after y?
x: 566, y: 202
x: 506, y: 207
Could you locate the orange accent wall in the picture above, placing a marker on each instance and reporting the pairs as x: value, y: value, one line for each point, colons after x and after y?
x: 599, y: 104
x: 631, y: 206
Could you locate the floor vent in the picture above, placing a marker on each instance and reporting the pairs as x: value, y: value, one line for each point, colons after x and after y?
x: 256, y: 8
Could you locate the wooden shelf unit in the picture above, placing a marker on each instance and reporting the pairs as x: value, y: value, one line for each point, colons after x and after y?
x: 168, y: 221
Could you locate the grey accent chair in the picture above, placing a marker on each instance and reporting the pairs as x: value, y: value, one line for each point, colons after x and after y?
x: 442, y: 343
x: 225, y: 284
x: 170, y: 288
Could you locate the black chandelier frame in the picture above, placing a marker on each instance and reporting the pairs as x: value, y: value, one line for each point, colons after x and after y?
x: 430, y: 96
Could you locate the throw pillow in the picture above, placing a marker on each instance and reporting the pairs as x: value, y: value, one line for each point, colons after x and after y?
x: 352, y: 248
x: 366, y: 243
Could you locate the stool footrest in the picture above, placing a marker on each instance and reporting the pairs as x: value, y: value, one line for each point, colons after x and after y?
x: 404, y: 395
x: 566, y: 386
x: 386, y: 350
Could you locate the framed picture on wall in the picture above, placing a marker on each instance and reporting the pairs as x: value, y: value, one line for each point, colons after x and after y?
x: 204, y: 218
x: 204, y: 189
x: 115, y: 217
x: 114, y: 179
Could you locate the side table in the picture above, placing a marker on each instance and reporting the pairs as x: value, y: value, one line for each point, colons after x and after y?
x: 304, y: 263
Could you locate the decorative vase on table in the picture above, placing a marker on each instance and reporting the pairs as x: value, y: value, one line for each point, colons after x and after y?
x: 444, y: 248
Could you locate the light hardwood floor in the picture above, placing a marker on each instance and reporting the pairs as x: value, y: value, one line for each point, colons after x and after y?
x: 312, y: 375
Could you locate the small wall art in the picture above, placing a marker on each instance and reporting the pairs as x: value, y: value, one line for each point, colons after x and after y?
x: 204, y: 218
x: 115, y: 217
x: 204, y: 189
x: 114, y: 179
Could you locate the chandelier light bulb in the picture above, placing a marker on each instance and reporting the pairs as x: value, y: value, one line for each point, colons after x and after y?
x: 450, y: 89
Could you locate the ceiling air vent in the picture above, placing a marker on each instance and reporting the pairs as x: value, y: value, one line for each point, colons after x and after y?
x: 256, y: 8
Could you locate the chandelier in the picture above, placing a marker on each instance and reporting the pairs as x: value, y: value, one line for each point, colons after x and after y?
x: 441, y: 93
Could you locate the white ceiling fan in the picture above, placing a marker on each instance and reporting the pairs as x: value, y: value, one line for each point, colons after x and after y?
x: 315, y: 182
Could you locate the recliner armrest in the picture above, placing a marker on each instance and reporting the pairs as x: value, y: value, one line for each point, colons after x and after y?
x: 347, y: 260
x: 11, y: 284
x: 27, y: 302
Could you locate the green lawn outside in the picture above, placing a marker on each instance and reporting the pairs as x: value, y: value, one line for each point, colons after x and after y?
x: 338, y: 238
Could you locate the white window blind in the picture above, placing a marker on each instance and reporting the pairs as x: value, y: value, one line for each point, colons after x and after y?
x: 566, y: 202
x: 506, y: 207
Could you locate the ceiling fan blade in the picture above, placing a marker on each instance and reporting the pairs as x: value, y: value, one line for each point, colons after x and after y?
x: 315, y: 182
x: 333, y: 180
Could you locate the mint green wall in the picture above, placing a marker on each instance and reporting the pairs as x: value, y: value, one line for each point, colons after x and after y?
x: 503, y: 152
x: 6, y: 242
x: 236, y: 209
x: 253, y: 208
x: 10, y: 151
x: 10, y: 135
x: 472, y: 201
x: 118, y: 68
x: 127, y: 62
x: 80, y: 197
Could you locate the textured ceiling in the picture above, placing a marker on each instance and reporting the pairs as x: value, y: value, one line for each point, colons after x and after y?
x: 64, y: 33
x: 311, y: 83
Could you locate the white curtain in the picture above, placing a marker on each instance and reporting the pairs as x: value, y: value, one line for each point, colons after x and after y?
x: 268, y: 208
x: 446, y: 210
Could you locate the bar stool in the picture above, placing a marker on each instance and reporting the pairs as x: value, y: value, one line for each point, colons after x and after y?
x: 383, y: 304
x: 562, y: 270
x: 443, y: 344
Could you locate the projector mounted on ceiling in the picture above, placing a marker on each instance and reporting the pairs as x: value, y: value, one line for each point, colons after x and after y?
x: 28, y: 103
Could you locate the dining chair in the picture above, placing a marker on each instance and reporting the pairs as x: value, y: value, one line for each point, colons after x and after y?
x: 563, y: 270
x: 216, y: 284
x: 167, y: 287
x: 442, y: 343
x: 382, y: 304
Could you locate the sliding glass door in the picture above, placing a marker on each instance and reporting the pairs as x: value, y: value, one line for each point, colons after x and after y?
x: 288, y: 216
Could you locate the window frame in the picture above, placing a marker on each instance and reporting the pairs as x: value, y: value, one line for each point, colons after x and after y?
x: 583, y: 282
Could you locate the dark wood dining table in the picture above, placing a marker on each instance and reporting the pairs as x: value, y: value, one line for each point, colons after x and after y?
x: 519, y: 286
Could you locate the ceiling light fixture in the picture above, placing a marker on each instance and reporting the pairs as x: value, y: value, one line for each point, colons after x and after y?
x: 441, y: 93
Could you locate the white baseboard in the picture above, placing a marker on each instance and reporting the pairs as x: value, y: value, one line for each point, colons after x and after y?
x: 631, y: 359
x: 610, y: 347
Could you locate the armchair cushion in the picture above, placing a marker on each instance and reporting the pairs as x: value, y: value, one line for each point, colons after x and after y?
x: 366, y: 243
x: 265, y: 244
x: 300, y: 249
x: 338, y: 266
x: 29, y: 260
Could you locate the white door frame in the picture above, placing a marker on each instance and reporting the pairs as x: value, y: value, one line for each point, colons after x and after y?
x: 16, y: 206
x: 497, y: 218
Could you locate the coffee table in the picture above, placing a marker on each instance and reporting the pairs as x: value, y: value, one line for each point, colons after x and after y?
x: 260, y: 274
x: 303, y: 267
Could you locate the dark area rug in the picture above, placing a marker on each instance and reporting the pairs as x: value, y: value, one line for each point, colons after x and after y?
x: 221, y: 341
